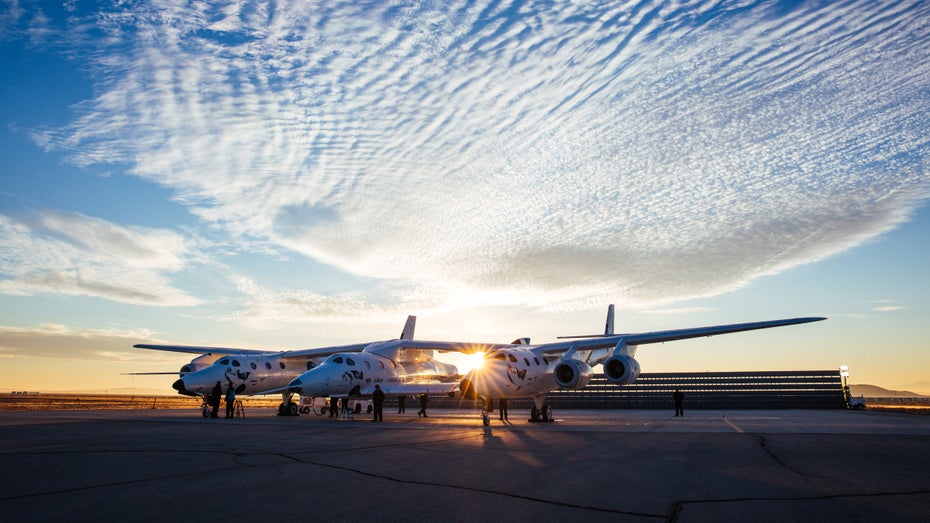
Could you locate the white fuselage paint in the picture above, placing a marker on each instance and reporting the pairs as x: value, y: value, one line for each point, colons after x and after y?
x: 349, y: 373
x: 248, y: 374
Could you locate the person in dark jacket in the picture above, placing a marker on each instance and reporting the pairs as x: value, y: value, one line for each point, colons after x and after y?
x: 502, y: 407
x: 679, y: 401
x: 230, y: 400
x: 215, y: 397
x: 424, y: 399
x: 333, y: 407
x: 401, y: 407
x: 377, y: 399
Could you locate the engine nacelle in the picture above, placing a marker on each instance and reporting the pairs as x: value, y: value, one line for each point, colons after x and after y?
x: 200, y: 362
x: 572, y: 374
x: 621, y: 370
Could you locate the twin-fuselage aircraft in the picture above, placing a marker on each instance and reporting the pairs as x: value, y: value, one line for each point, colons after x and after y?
x: 407, y: 366
x: 250, y: 371
x: 513, y: 370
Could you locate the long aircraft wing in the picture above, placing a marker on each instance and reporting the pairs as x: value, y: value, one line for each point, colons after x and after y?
x: 603, y: 341
x: 287, y: 354
x: 671, y: 335
x: 194, y: 349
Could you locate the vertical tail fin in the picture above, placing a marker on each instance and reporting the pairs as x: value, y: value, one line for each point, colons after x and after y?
x: 409, y: 327
x: 609, y: 326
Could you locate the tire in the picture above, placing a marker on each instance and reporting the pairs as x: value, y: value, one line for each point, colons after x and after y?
x: 292, y: 409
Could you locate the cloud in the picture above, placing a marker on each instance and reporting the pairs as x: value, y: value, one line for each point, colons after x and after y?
x: 61, y: 341
x: 888, y: 308
x: 514, y: 154
x: 74, y: 254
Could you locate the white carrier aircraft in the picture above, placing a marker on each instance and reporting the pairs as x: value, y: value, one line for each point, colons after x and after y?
x: 515, y: 370
x: 252, y: 371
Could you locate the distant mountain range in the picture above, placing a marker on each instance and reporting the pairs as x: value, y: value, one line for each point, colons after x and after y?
x: 874, y: 391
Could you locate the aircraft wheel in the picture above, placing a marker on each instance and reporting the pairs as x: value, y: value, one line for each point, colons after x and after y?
x: 534, y: 413
x: 292, y: 409
x: 305, y: 410
x: 546, y: 412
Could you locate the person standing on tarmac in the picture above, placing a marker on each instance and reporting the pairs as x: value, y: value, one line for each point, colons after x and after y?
x: 502, y: 408
x: 679, y: 402
x: 401, y: 408
x: 424, y: 399
x: 333, y: 407
x: 230, y: 400
x: 377, y: 399
x: 215, y: 400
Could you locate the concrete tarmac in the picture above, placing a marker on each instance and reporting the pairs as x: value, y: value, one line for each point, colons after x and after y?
x: 160, y: 465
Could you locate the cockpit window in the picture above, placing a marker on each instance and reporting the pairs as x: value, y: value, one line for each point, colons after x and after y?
x: 350, y: 361
x: 224, y: 361
x: 235, y: 363
x: 310, y: 365
x: 500, y: 356
x: 337, y: 359
x: 512, y: 358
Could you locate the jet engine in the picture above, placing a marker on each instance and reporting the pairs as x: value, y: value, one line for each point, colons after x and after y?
x: 573, y: 374
x: 621, y: 370
x: 200, y: 362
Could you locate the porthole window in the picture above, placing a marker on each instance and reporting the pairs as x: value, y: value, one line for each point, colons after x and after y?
x: 253, y: 365
x: 536, y: 360
x: 381, y: 363
x: 267, y: 365
x: 281, y: 364
x: 367, y: 365
x: 526, y: 361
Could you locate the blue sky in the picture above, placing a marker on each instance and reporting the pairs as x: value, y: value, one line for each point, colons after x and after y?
x: 281, y: 176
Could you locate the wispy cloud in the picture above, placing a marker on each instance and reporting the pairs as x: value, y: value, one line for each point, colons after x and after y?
x: 888, y: 308
x: 62, y: 341
x: 511, y: 153
x: 69, y: 253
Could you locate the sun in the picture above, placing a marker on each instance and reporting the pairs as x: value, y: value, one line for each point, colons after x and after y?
x: 470, y: 362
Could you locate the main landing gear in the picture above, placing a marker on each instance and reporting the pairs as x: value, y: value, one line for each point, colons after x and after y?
x: 540, y: 411
x: 288, y: 407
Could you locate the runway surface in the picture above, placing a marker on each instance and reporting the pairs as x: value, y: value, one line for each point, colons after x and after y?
x: 158, y: 465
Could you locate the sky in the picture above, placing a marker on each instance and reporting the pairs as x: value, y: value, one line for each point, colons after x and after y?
x: 284, y: 175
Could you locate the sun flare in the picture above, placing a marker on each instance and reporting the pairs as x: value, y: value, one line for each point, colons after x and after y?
x: 470, y: 362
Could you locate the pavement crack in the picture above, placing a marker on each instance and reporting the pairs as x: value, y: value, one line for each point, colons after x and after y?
x: 676, y: 507
x: 763, y: 445
x: 482, y: 491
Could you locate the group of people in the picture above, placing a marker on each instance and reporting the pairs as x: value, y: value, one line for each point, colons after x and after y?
x: 377, y: 402
x: 216, y: 394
